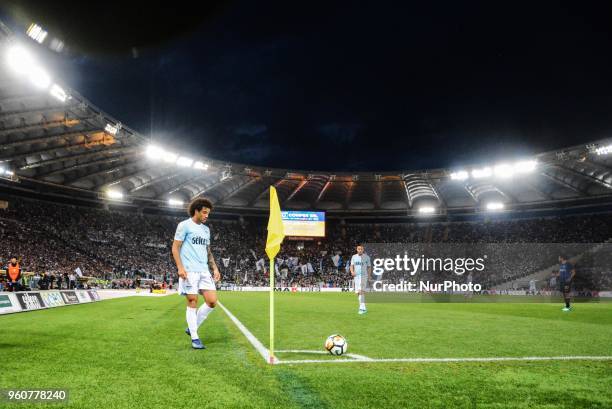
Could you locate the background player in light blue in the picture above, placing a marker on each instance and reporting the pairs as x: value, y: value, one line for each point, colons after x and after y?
x: 361, y: 270
x: 194, y: 261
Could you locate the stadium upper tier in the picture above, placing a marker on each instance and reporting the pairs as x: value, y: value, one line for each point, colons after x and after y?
x: 53, y: 140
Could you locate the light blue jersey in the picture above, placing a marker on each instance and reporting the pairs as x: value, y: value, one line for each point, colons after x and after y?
x: 361, y: 264
x: 194, y: 251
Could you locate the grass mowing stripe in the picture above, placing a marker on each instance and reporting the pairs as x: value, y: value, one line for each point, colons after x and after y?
x: 299, y: 389
x: 429, y: 330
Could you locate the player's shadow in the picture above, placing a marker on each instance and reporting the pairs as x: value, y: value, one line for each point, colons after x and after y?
x: 9, y: 345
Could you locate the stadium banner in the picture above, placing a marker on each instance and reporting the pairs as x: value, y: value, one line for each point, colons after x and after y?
x: 457, y: 272
x: 8, y: 303
x: 82, y: 296
x: 286, y: 289
x: 52, y: 298
x: 35, y: 300
x: 70, y: 297
x: 335, y: 289
x: 30, y: 301
x: 93, y: 295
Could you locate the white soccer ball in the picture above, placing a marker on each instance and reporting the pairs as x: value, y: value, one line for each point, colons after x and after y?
x: 336, y: 344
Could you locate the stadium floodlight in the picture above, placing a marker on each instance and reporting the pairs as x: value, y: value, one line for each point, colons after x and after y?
x: 57, y: 45
x: 200, y: 165
x: 111, y: 129
x: 19, y: 59
x: 459, y: 175
x: 504, y: 171
x: 37, y: 33
x: 22, y: 63
x: 525, y: 166
x: 175, y: 202
x: 482, y: 173
x: 427, y: 209
x: 39, y: 77
x: 495, y: 206
x: 58, y: 92
x: 169, y: 157
x: 184, y: 162
x: 604, y: 150
x: 154, y: 152
x: 9, y: 172
x: 114, y: 194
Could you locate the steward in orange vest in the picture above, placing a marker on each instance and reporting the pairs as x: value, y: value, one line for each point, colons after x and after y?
x: 13, y: 271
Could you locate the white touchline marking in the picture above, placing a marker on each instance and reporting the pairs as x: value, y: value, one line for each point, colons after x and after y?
x: 309, y: 351
x: 259, y: 347
x: 360, y: 357
x: 430, y: 360
x: 263, y: 351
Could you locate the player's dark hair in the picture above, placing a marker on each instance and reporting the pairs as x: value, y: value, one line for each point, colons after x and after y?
x: 197, y: 204
x: 563, y: 257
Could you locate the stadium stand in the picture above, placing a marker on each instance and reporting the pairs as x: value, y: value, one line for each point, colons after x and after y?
x: 56, y: 238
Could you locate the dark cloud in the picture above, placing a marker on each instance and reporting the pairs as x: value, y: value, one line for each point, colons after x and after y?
x: 250, y: 130
x: 340, y: 133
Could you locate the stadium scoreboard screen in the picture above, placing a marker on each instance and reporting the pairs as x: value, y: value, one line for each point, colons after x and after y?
x: 304, y: 224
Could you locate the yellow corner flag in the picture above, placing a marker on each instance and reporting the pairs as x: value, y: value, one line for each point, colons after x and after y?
x: 276, y: 234
x: 276, y: 231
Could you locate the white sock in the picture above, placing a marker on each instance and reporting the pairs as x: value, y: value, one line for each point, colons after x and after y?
x: 203, y: 312
x: 362, y: 305
x: 192, y: 322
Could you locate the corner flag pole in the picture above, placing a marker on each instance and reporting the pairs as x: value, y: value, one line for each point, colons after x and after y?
x: 272, y: 310
x: 276, y: 234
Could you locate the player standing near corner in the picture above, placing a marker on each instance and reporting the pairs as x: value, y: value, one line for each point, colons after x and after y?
x: 361, y: 269
x: 194, y: 260
x: 566, y: 276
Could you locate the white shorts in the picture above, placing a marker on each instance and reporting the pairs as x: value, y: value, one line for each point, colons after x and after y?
x: 195, y: 282
x: 361, y: 283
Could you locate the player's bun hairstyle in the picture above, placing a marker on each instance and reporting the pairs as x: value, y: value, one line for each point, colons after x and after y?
x: 197, y: 204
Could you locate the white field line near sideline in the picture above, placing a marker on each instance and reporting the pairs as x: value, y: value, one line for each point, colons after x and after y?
x: 432, y: 360
x: 354, y: 357
x: 259, y: 347
x: 263, y: 351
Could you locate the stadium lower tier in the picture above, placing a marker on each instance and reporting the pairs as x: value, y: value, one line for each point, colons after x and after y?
x: 123, y: 247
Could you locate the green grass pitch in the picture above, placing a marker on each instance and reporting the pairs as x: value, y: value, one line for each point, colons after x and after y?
x: 132, y: 352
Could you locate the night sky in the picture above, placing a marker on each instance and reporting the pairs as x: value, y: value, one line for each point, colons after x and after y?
x: 351, y: 87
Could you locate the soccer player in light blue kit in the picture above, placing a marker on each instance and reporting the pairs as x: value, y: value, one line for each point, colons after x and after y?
x: 194, y: 260
x: 361, y: 270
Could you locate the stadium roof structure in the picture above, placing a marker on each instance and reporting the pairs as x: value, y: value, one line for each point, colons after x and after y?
x: 55, y: 141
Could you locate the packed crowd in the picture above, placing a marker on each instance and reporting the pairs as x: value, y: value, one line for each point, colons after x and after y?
x: 121, y: 247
